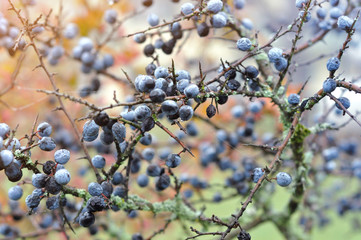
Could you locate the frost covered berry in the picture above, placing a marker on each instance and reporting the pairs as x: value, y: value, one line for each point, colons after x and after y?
x: 185, y: 113
x: 62, y: 156
x: 344, y: 23
x: 44, y: 129
x: 142, y: 112
x: 62, y: 177
x: 119, y: 131
x: 329, y: 85
x: 293, y: 99
x: 169, y: 107
x: 187, y: 8
x: 215, y: 6
x: 333, y: 64
x: 90, y: 131
x: 218, y: 20
x: 283, y: 179
x: 244, y: 44
x: 191, y: 91
x: 47, y: 144
x: 95, y: 189
x: 98, y: 161
x: 275, y: 54
x: 6, y: 158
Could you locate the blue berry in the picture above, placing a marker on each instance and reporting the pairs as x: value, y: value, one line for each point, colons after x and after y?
x: 187, y: 8
x: 247, y: 23
x: 47, y: 144
x: 52, y: 203
x: 157, y: 95
x: 153, y: 19
x: 39, y: 180
x: 146, y: 139
x: 169, y: 107
x: 86, y: 44
x: 143, y: 180
x: 188, y: 193
x: 251, y: 72
x: 128, y: 115
x: 142, y: 112
x: 300, y: 3
x: 275, y: 54
x: 182, y: 84
x: 344, y: 23
x: 185, y: 113
x: 86, y: 219
x: 321, y: 13
x: 148, y: 154
x: 182, y: 74
x: 255, y: 107
x: 161, y: 72
x: 62, y: 176
x: 283, y: 179
x: 4, y: 130
x: 62, y: 156
x: 95, y: 189
x: 334, y: 2
x: 217, y: 197
x: 191, y: 91
x: 294, y: 99
x: 119, y: 131
x: 307, y: 17
x: 108, y: 60
x: 192, y: 129
x: 162, y: 182
x: 244, y: 44
x: 56, y: 52
x: 153, y: 170
x: 238, y: 111
x: 15, y: 193
x: 6, y: 158
x: 335, y: 12
x: 117, y: 178
x: 257, y: 174
x: 215, y: 6
x: 110, y: 16
x: 71, y: 30
x: 330, y: 153
x: 344, y: 101
x: 239, y: 4
x: 218, y: 20
x: 329, y: 85
x: 32, y: 201
x: 44, y: 129
x: 325, y: 25
x: 90, y: 131
x: 281, y: 64
x: 173, y: 160
x: 98, y: 161
x: 333, y: 64
x: 139, y: 37
x: 87, y: 58
x: 120, y: 191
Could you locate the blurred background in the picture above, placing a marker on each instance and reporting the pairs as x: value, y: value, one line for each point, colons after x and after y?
x: 22, y: 104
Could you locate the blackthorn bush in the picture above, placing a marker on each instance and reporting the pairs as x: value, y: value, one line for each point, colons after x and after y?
x: 179, y: 119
